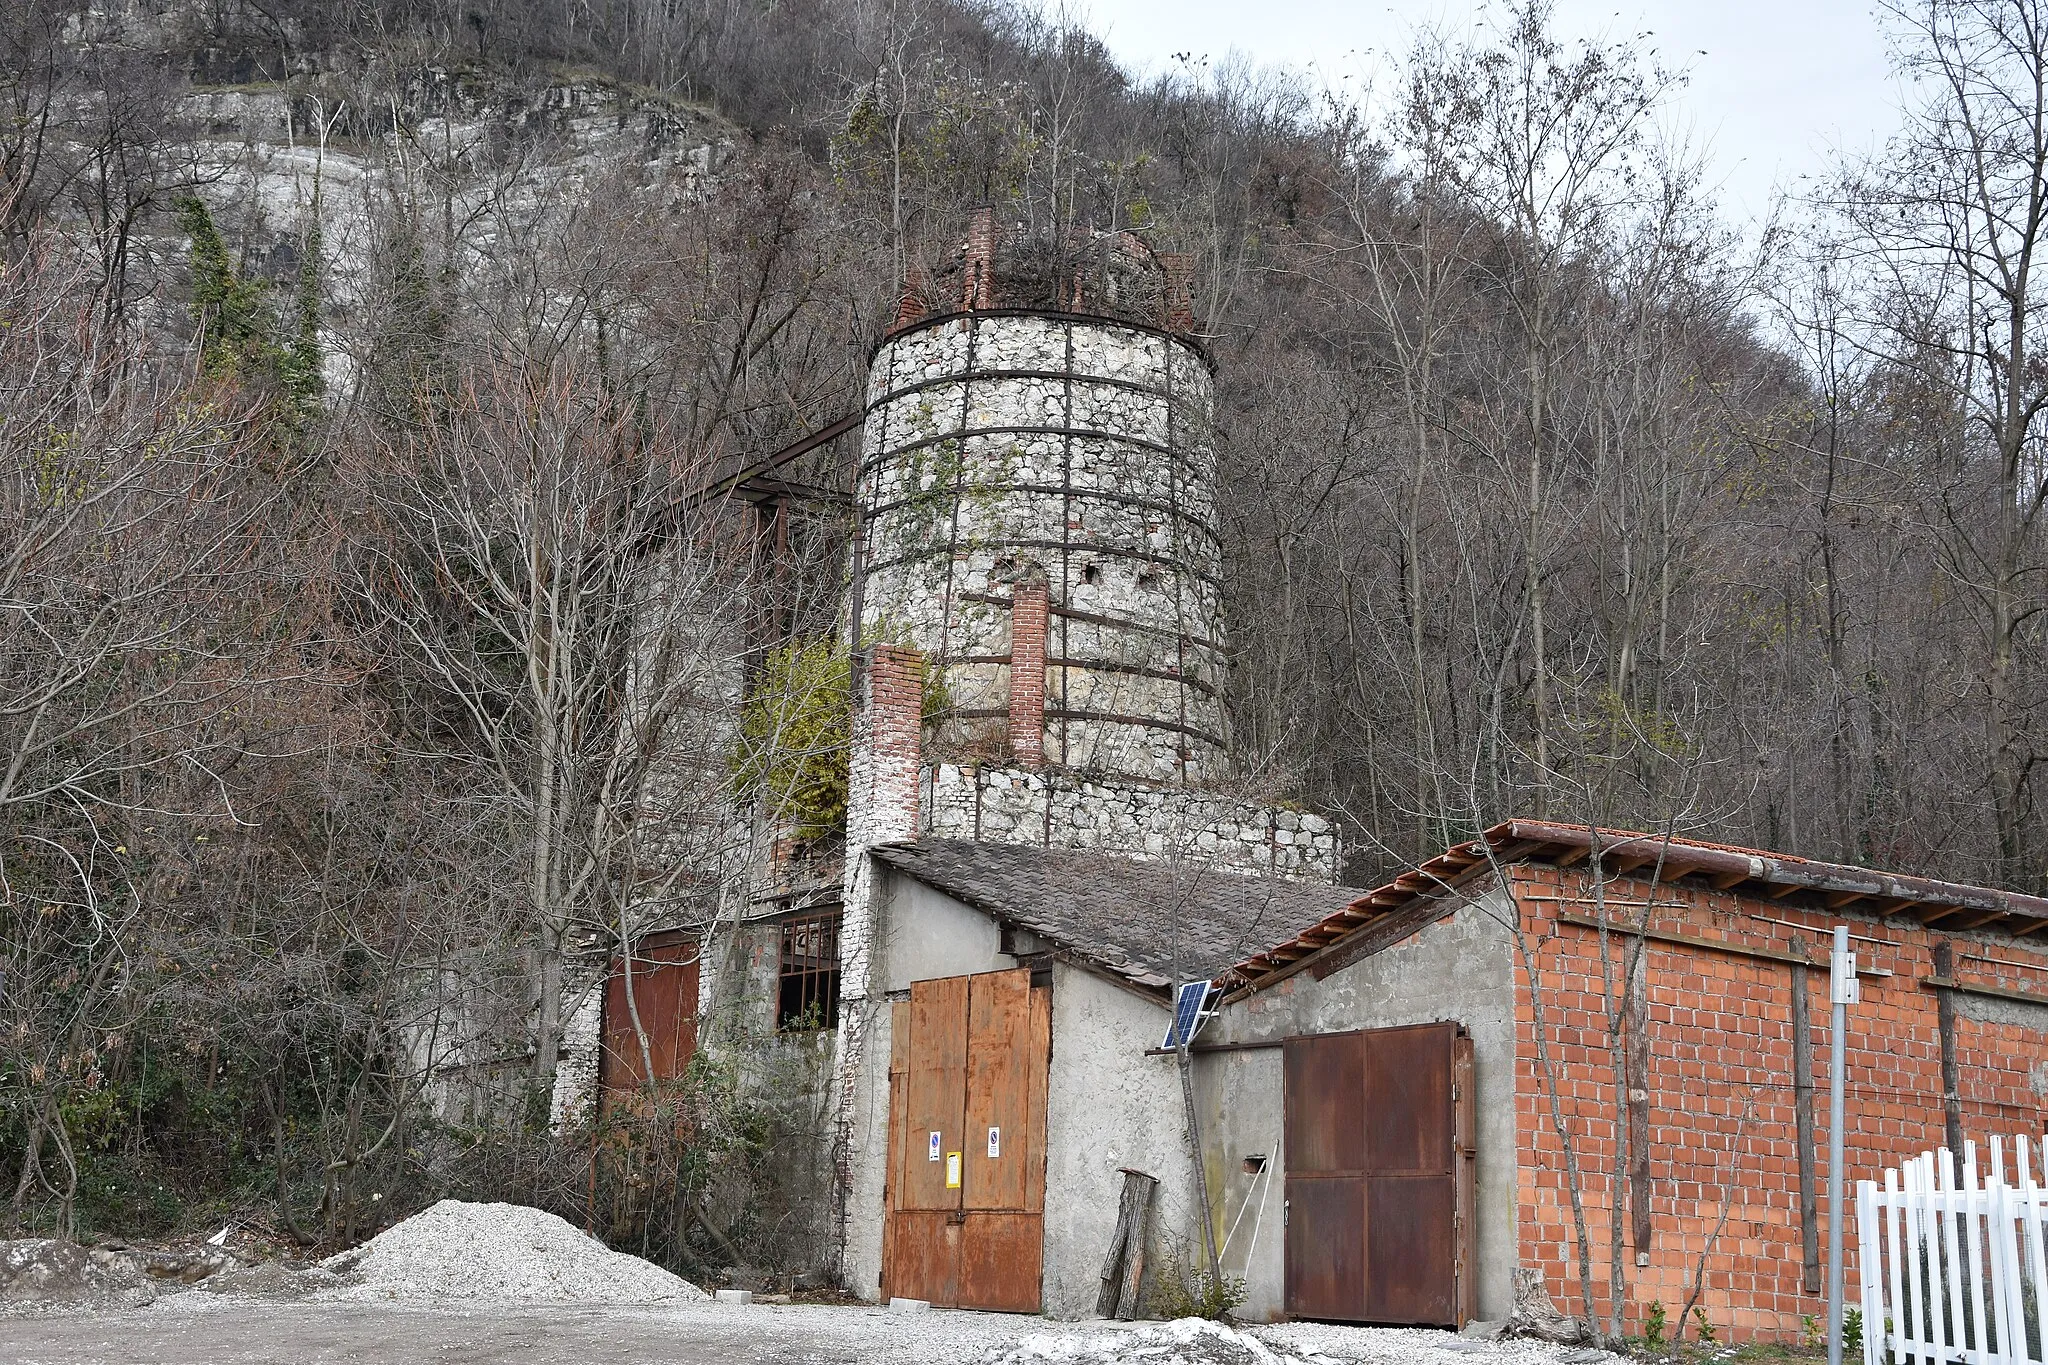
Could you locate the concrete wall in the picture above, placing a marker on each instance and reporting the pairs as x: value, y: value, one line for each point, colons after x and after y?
x: 1460, y: 970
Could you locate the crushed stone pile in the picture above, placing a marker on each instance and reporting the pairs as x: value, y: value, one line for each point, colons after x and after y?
x: 42, y: 1272
x: 503, y: 1252
x: 1190, y: 1341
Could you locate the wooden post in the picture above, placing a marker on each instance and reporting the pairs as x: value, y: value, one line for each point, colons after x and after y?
x: 1636, y: 1067
x: 1187, y: 1090
x: 1802, y: 1120
x: 1951, y: 1082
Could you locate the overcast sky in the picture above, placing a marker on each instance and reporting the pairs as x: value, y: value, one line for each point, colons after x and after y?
x: 1776, y: 86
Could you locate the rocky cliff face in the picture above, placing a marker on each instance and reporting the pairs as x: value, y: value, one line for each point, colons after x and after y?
x: 265, y: 120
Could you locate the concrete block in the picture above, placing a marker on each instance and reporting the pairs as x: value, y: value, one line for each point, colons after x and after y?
x: 735, y: 1296
x: 910, y: 1306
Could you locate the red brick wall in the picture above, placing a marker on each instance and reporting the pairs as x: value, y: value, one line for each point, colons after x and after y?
x: 1720, y: 1086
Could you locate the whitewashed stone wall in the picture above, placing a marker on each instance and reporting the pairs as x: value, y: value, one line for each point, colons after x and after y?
x: 1047, y: 808
x: 576, y: 1074
x: 1084, y: 447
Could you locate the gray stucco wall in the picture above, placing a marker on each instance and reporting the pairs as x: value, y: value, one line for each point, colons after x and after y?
x: 1459, y: 969
x: 1109, y: 1106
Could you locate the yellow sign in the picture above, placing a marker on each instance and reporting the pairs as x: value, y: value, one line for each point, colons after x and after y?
x: 952, y: 1170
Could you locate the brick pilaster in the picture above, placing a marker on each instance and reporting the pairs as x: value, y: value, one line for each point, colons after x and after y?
x: 1180, y: 291
x: 978, y: 262
x: 884, y: 774
x: 1029, y: 609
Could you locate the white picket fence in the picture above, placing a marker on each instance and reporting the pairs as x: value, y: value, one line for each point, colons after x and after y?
x: 1954, y: 1270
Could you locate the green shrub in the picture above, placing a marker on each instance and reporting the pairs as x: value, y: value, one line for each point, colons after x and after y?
x: 794, y: 733
x: 1185, y: 1290
x: 1654, y: 1324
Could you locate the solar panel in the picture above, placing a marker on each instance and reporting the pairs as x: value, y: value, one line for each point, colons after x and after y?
x: 1190, y: 1011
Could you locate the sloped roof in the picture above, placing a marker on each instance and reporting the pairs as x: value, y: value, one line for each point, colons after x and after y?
x: 1151, y: 923
x: 1781, y: 877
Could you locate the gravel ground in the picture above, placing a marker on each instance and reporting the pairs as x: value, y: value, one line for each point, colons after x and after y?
x: 196, y: 1328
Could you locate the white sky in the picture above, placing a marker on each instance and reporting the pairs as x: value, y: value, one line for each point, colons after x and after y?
x: 1776, y: 86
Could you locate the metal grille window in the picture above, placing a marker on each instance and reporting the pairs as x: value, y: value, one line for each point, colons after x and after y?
x: 808, y: 995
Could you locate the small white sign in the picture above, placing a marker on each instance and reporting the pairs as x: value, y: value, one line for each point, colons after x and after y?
x: 935, y: 1147
x: 952, y: 1170
x: 995, y: 1143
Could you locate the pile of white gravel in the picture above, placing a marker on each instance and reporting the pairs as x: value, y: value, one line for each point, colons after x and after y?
x: 501, y: 1252
x: 1190, y: 1341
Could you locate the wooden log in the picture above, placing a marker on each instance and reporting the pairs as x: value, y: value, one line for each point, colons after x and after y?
x: 1125, y: 1264
x: 1134, y: 1256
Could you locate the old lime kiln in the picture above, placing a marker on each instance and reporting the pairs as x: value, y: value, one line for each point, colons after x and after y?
x: 1038, y: 506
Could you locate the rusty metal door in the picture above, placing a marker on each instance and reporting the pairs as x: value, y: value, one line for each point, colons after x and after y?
x: 1379, y: 1178
x: 664, y: 997
x: 966, y: 1196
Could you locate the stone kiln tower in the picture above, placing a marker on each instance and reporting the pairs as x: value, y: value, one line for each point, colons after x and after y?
x: 1038, y: 507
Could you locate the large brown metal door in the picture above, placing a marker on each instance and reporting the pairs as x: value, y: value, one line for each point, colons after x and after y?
x: 966, y: 1196
x: 1379, y: 1177
x: 664, y: 999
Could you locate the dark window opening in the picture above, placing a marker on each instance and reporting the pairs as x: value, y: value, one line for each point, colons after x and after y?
x: 807, y: 995
x: 1090, y: 573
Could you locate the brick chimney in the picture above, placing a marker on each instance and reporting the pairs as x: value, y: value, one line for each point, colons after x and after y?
x: 883, y: 774
x: 1028, y: 612
x: 1180, y: 291
x: 978, y: 264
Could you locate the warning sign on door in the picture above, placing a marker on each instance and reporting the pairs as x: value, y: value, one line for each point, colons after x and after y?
x: 995, y: 1143
x: 935, y: 1148
x: 952, y: 1170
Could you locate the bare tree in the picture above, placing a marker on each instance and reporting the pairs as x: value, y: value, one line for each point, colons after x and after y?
x: 1941, y: 237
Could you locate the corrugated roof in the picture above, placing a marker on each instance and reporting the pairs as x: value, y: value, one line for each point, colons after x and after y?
x: 1781, y: 877
x: 1151, y: 923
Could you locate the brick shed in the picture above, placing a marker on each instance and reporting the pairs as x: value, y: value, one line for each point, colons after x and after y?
x: 1498, y: 942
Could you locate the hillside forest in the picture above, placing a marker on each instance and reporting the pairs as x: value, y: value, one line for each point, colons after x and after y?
x: 362, y: 363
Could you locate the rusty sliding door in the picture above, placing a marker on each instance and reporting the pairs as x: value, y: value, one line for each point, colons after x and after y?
x: 1378, y: 1130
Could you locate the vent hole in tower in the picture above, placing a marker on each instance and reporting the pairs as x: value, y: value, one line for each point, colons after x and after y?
x: 1090, y: 573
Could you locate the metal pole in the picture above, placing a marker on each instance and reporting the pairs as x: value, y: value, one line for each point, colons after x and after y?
x: 1841, y: 990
